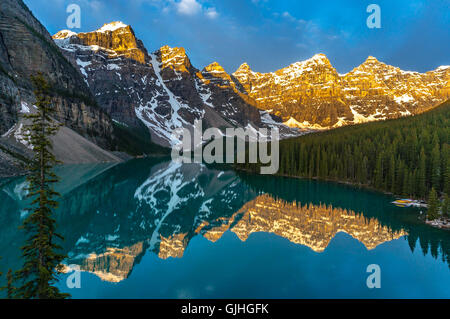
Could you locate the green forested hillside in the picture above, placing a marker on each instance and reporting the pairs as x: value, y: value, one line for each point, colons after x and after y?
x: 407, y: 156
x: 136, y: 141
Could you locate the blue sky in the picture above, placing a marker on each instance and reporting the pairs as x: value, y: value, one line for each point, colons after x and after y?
x: 271, y: 34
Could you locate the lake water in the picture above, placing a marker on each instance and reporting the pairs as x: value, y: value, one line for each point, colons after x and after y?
x: 156, y: 229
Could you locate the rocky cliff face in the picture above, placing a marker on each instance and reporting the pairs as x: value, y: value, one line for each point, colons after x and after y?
x: 311, y: 94
x: 116, y: 37
x: 116, y: 79
x: 26, y: 48
x: 163, y: 90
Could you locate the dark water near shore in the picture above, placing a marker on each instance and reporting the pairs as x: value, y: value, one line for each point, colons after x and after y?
x: 155, y: 229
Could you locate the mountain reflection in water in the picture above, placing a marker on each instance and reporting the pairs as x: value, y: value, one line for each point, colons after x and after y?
x: 309, y: 225
x: 111, y: 216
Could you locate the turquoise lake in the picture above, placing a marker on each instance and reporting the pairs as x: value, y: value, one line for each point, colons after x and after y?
x: 152, y: 228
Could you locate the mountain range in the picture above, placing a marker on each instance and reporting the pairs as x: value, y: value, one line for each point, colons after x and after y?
x: 112, y: 94
x: 164, y: 90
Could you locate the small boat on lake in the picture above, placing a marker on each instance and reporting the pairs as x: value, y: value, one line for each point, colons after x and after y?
x: 409, y: 203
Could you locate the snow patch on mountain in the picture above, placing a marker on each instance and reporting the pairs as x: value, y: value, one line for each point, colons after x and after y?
x: 113, y: 66
x: 359, y: 118
x: 176, y: 119
x: 21, y: 136
x: 10, y: 131
x: 293, y: 123
x: 267, y: 119
x: 443, y: 68
x: 62, y: 38
x: 24, y: 108
x: 405, y: 98
x: 163, y: 126
x: 113, y: 26
x: 169, y: 180
x: 83, y: 64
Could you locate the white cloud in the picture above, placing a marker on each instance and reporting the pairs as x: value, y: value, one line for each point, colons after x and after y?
x: 188, y: 7
x: 211, y: 13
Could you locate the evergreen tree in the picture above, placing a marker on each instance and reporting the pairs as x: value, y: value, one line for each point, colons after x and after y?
x: 365, y: 164
x: 10, y: 289
x: 435, y: 167
x: 445, y: 206
x: 9, y: 285
x: 433, y: 206
x: 391, y: 181
x: 446, y: 168
x: 406, y: 190
x: 422, y: 174
x: 42, y: 262
x: 379, y: 171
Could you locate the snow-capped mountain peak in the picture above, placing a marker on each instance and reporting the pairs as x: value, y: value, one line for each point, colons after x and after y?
x: 319, y: 58
x: 312, y: 93
x: 443, y: 68
x: 175, y: 58
x: 244, y: 67
x: 371, y: 59
x: 215, y: 70
x: 113, y: 26
x: 64, y: 34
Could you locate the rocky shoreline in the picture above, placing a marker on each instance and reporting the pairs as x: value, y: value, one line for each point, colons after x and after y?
x: 441, y: 223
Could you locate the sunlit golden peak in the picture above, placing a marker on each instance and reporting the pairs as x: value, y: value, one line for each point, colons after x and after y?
x: 64, y: 34
x: 168, y: 49
x: 112, y: 26
x: 214, y: 68
x: 244, y: 67
x: 175, y: 58
x: 372, y: 59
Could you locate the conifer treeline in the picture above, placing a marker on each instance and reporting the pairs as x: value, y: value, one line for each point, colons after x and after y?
x: 407, y: 156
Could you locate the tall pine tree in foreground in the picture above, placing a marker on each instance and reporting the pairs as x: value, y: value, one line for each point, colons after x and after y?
x: 42, y: 262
